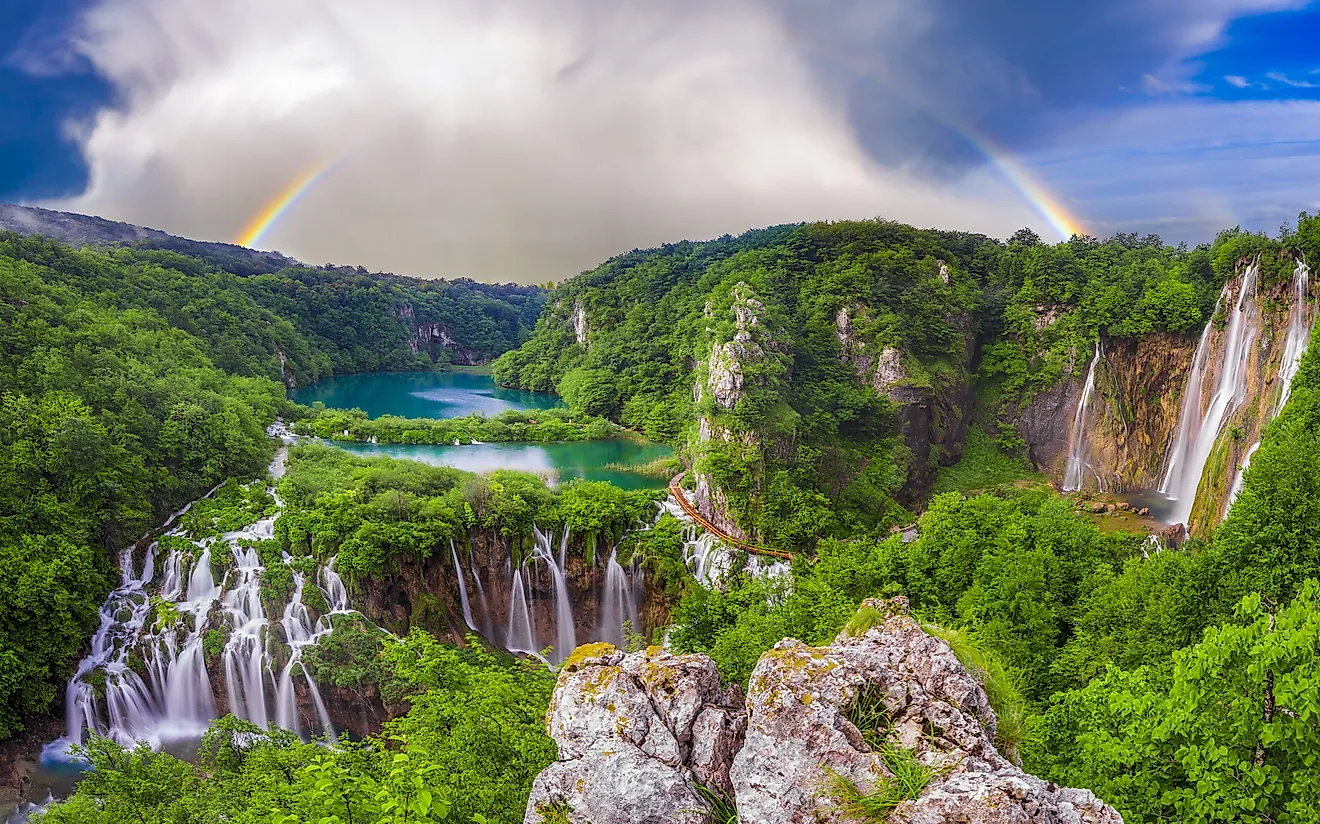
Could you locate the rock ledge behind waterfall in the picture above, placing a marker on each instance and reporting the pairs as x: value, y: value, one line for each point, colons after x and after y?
x: 638, y: 733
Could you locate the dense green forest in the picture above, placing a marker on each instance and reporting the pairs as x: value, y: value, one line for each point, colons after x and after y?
x: 132, y: 380
x: 321, y: 321
x: 806, y: 449
x: 1178, y: 684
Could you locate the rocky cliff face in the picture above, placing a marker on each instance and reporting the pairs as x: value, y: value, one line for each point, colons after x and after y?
x: 1138, y: 390
x: 427, y: 593
x: 650, y: 738
x: 933, y: 413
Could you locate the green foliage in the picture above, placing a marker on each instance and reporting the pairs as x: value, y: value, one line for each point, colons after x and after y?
x: 984, y: 466
x: 372, y: 511
x: 542, y: 426
x: 866, y: 618
x: 1229, y: 735
x: 467, y: 750
x: 908, y: 778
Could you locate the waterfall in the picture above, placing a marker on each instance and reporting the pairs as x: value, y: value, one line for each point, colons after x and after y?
x: 617, y: 604
x: 520, y: 637
x: 565, y: 635
x: 462, y: 588
x: 1197, y: 432
x: 1300, y: 322
x: 1077, y: 464
x: 488, y: 628
x: 156, y: 685
x: 299, y: 633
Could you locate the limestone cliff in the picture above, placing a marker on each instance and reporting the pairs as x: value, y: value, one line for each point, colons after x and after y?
x: 934, y: 404
x: 650, y: 738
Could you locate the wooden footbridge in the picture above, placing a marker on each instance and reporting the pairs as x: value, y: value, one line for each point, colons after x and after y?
x: 677, y: 491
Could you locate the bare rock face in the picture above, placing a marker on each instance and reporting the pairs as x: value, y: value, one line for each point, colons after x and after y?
x: 726, y: 380
x: 636, y: 733
x: 581, y: 331
x: 799, y: 726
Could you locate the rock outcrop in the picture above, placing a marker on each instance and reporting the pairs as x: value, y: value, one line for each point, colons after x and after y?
x: 933, y: 413
x: 637, y: 733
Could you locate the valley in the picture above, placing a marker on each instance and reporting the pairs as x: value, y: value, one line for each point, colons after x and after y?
x: 250, y: 525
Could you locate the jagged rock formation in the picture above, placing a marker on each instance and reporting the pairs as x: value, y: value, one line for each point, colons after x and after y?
x: 636, y: 734
x: 629, y: 730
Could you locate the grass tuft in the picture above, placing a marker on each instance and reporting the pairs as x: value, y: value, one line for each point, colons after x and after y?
x: 909, y: 778
x: 865, y: 619
x: 1012, y: 711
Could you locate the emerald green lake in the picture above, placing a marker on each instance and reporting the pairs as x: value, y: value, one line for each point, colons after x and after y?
x: 421, y: 394
x: 455, y: 394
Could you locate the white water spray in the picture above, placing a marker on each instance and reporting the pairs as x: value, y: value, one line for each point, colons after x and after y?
x: 1197, y: 432
x: 1077, y: 463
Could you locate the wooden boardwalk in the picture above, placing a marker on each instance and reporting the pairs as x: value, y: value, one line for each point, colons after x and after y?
x: 677, y: 492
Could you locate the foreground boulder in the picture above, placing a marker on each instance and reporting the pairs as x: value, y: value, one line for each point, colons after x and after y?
x: 637, y: 735
x: 649, y: 737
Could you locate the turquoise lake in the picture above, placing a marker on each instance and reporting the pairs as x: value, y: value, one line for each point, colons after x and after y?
x: 455, y: 394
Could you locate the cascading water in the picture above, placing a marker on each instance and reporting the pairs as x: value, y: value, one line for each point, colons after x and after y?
x: 462, y: 588
x: 1300, y: 322
x: 520, y: 637
x: 1077, y: 463
x: 1196, y: 431
x: 565, y: 635
x: 618, y: 604
x: 149, y: 681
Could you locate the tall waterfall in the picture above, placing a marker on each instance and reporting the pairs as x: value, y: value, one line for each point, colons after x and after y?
x: 1301, y: 320
x: 565, y: 634
x: 1197, y: 431
x: 1077, y: 464
x: 462, y: 587
x: 618, y: 603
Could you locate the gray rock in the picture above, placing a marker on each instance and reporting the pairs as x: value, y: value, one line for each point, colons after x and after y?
x: 799, y: 730
x: 636, y: 734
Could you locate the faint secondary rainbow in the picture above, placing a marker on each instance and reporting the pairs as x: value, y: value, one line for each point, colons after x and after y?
x: 270, y: 214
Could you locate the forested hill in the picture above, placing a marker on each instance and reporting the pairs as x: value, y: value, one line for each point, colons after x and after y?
x: 296, y: 323
x: 134, y: 379
x: 819, y: 375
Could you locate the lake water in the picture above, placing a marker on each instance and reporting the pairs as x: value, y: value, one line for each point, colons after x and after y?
x: 454, y: 394
x: 422, y: 394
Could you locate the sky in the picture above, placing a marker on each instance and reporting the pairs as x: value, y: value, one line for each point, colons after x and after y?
x: 528, y: 140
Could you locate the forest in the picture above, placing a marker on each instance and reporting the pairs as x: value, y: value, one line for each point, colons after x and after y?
x: 1178, y: 684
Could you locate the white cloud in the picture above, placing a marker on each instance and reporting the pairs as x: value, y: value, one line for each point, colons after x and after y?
x: 1190, y: 168
x: 524, y: 141
x: 1279, y: 77
x: 1237, y: 80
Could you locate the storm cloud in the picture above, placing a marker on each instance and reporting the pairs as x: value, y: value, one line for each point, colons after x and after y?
x: 529, y: 140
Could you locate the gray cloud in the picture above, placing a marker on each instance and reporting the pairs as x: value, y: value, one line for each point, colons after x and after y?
x: 523, y: 141
x: 529, y: 139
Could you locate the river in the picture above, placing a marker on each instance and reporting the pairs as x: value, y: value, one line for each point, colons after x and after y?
x: 455, y: 394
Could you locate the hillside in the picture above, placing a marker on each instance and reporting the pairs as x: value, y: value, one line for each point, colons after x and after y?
x: 819, y: 376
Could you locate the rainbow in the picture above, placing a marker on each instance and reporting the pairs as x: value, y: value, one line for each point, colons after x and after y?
x: 270, y: 214
x: 1032, y: 190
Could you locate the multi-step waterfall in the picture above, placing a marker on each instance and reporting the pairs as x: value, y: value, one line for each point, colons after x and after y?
x: 1199, y: 425
x: 150, y: 681
x: 1075, y: 474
